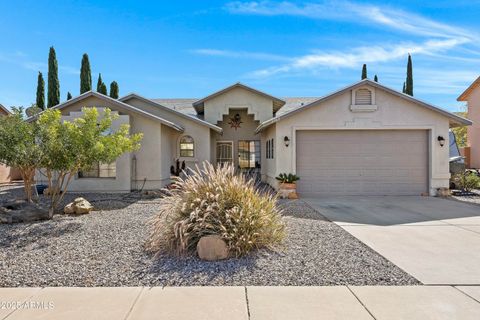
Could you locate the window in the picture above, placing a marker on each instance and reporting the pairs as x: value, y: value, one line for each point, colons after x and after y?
x: 363, y: 97
x: 269, y: 149
x: 187, y: 146
x: 100, y: 170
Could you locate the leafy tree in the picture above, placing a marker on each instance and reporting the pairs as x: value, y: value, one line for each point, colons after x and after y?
x: 69, y: 95
x: 85, y: 75
x: 375, y: 78
x: 461, y: 132
x: 114, y: 90
x: 40, y: 91
x: 18, y: 148
x: 364, y: 71
x: 71, y: 146
x: 32, y: 110
x: 99, y: 82
x: 409, y: 82
x: 53, y: 83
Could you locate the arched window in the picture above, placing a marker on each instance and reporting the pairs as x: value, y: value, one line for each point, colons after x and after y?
x: 187, y: 146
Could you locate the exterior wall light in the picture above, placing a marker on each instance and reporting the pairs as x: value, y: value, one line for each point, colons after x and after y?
x: 287, y: 141
x: 441, y: 140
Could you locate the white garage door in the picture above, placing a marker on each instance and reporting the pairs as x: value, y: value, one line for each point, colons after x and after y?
x: 362, y: 162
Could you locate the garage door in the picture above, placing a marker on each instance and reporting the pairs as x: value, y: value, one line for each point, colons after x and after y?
x: 362, y: 162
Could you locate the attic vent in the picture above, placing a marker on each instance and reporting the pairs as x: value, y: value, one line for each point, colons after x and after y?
x: 363, y: 97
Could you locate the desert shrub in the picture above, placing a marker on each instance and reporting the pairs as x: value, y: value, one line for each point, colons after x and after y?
x: 467, y: 181
x: 287, y: 178
x: 215, y: 201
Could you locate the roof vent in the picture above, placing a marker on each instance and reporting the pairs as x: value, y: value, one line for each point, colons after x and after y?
x: 363, y: 97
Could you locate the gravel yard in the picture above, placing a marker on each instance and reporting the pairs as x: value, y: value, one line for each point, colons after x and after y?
x: 104, y: 248
x: 472, y: 197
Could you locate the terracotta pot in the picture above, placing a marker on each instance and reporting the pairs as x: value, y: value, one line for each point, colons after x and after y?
x: 288, y: 186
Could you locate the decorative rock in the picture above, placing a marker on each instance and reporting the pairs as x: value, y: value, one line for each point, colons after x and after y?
x: 78, y: 206
x: 21, y: 211
x: 69, y: 209
x: 212, y: 248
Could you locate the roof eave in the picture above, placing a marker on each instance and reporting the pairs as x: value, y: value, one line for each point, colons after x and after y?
x: 135, y: 95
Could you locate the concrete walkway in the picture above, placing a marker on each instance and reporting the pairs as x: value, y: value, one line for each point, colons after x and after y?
x: 341, y: 302
x: 435, y: 240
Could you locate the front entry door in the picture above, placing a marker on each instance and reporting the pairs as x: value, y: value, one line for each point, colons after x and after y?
x: 249, y: 158
x: 224, y: 152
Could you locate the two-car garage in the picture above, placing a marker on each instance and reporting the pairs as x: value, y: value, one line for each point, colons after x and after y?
x: 362, y: 162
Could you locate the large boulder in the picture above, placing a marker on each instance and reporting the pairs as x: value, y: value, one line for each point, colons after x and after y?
x: 78, y: 206
x: 212, y: 248
x: 22, y: 211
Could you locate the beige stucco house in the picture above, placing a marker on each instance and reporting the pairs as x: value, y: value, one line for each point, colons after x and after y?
x: 472, y: 97
x: 365, y: 139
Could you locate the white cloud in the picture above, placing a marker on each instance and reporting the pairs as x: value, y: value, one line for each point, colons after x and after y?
x: 358, y: 56
x: 349, y: 11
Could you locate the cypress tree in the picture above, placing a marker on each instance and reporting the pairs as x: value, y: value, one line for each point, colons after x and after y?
x: 85, y: 75
x: 114, y: 90
x: 103, y: 89
x: 375, y: 78
x: 364, y: 71
x: 69, y: 95
x: 40, y: 91
x: 409, y: 83
x: 99, y: 82
x: 403, y: 90
x: 53, y: 95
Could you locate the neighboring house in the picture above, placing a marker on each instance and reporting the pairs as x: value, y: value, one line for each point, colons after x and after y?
x: 365, y: 139
x: 472, y: 96
x: 7, y: 174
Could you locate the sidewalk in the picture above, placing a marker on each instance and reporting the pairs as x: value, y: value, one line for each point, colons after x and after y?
x: 341, y: 302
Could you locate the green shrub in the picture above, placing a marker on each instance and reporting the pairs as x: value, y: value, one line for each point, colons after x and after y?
x: 467, y: 181
x: 215, y: 201
x: 287, y: 178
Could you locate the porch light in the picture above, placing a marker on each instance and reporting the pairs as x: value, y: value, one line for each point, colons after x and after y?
x: 287, y: 141
x: 441, y: 140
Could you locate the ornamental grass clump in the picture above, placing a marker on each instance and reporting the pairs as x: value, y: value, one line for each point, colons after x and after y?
x: 215, y: 201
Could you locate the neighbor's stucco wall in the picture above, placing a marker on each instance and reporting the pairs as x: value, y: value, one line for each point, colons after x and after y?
x: 238, y: 98
x: 393, y: 113
x: 473, y: 131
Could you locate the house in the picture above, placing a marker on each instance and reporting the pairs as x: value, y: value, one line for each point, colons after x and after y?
x: 365, y: 139
x: 472, y: 96
x: 7, y: 174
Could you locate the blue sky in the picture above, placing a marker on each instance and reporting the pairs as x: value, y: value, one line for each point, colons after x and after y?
x: 172, y: 49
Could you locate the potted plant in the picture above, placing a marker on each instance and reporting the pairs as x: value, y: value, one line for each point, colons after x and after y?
x: 288, y: 186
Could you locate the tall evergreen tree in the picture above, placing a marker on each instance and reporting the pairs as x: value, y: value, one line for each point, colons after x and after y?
x: 409, y: 82
x: 114, y: 90
x: 69, y: 95
x: 99, y: 82
x: 53, y: 95
x: 364, y: 71
x: 103, y: 89
x: 403, y: 90
x: 375, y: 78
x: 85, y: 75
x: 40, y: 91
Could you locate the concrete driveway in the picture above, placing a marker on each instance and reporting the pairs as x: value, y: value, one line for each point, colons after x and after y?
x: 435, y: 240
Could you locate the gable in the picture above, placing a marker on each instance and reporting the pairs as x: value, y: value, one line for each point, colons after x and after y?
x: 386, y: 102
